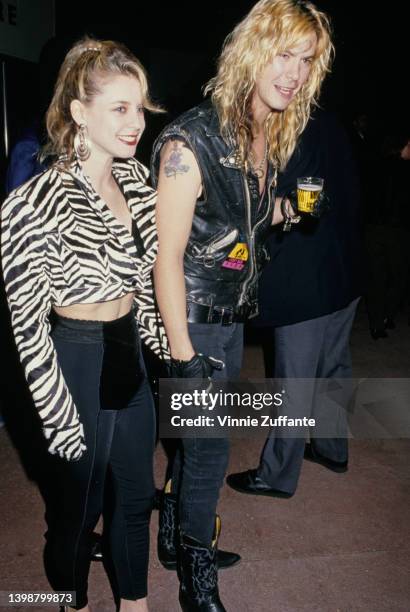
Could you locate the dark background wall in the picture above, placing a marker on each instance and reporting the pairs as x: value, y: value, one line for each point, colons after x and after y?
x: 179, y: 43
x: 371, y: 39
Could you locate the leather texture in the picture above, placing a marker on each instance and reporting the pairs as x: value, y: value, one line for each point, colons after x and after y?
x: 200, y: 366
x: 230, y: 218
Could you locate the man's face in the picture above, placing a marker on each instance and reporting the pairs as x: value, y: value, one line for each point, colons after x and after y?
x: 279, y: 82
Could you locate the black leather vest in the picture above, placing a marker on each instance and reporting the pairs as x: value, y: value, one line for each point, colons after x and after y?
x: 225, y: 250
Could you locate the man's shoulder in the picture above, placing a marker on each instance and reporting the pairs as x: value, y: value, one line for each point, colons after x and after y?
x: 197, y: 118
x: 197, y: 127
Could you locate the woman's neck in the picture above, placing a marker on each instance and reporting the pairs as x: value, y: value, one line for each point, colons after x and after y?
x: 99, y: 171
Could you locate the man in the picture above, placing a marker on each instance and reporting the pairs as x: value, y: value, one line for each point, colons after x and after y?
x: 216, y: 172
x: 308, y: 296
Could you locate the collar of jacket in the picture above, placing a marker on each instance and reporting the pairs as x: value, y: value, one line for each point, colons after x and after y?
x: 213, y: 130
x: 122, y: 169
x: 232, y: 160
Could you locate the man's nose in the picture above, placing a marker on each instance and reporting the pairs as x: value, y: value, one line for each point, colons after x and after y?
x: 293, y: 70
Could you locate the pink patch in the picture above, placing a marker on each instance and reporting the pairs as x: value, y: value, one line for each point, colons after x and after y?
x: 234, y: 264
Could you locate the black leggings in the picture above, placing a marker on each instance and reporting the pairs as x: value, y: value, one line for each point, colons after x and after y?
x: 120, y: 446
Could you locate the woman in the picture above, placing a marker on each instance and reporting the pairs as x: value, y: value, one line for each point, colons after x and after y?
x: 80, y: 240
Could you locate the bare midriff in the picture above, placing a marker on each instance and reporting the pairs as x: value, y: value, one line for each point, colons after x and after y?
x: 101, y: 311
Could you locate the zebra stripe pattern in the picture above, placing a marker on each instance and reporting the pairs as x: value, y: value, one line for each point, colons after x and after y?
x: 61, y: 245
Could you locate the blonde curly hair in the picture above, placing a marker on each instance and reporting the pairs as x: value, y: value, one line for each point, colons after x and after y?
x: 78, y: 79
x: 271, y: 27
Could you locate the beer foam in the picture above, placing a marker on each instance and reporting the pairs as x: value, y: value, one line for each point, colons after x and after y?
x: 308, y: 187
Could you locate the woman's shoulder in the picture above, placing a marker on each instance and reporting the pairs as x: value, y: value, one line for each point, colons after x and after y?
x: 33, y: 192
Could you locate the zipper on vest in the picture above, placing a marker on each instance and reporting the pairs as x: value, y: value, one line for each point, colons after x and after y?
x: 251, y: 275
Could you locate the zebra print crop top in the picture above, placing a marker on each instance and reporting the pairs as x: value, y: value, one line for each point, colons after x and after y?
x: 61, y: 245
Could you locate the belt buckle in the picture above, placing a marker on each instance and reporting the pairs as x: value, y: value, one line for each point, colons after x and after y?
x: 214, y: 314
x: 227, y: 316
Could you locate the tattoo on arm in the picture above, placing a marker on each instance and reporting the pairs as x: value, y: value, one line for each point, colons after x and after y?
x: 173, y: 166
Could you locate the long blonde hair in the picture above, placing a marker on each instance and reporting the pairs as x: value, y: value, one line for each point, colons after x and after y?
x: 271, y: 27
x: 78, y: 79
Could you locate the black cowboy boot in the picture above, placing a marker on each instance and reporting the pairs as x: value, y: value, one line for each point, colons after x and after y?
x: 167, y: 529
x: 198, y: 573
x: 168, y: 535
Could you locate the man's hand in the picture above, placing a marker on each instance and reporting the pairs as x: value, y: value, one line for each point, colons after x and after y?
x: 322, y: 205
x: 199, y: 366
x: 289, y: 208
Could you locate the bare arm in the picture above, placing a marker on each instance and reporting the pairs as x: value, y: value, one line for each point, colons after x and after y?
x: 179, y: 185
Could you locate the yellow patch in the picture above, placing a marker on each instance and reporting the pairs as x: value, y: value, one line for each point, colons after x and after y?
x: 240, y: 251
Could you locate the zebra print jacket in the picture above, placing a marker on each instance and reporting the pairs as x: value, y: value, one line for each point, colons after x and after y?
x: 61, y: 245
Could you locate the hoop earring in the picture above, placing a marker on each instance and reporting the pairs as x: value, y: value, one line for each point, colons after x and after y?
x: 82, y: 146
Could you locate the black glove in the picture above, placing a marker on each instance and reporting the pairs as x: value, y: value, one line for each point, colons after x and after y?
x: 199, y: 366
x: 322, y: 205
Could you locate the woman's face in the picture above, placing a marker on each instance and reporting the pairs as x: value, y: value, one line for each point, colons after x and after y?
x: 114, y: 117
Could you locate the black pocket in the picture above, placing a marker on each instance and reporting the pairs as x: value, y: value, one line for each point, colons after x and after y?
x: 122, y: 373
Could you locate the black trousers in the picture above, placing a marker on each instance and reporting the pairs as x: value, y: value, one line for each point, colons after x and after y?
x: 200, y: 463
x: 101, y: 362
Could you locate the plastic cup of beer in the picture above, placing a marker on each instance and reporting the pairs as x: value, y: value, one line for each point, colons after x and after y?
x: 309, y: 188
